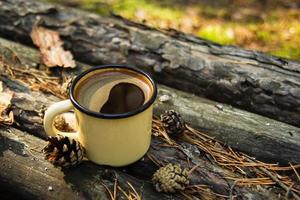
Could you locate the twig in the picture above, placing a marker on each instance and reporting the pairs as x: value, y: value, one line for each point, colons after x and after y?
x: 154, y: 160
x: 206, y: 190
x: 125, y: 194
x: 108, y: 190
x: 186, y: 195
x: 295, y: 171
x: 231, y: 197
x: 277, y: 168
x: 194, y: 168
x: 115, y: 188
x: 166, y: 136
x: 288, y: 192
x: 12, y: 74
x: 136, y: 194
x: 280, y: 183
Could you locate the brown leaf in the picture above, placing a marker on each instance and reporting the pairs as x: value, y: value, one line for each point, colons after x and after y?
x: 50, y: 45
x: 6, y: 115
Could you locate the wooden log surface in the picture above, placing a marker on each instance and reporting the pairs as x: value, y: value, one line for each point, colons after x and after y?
x: 250, y: 80
x: 244, y: 131
x: 26, y: 175
x: 23, y: 170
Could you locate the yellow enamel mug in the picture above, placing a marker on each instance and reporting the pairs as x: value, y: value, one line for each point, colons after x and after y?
x: 109, y: 139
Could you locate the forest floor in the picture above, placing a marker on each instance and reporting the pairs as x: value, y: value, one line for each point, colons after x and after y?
x: 271, y: 26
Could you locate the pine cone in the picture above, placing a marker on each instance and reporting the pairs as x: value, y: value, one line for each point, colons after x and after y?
x: 173, y: 123
x: 64, y: 152
x: 61, y: 124
x: 170, y: 178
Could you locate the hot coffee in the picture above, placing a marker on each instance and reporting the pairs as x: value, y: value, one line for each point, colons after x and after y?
x: 113, y: 91
x: 113, y: 106
x: 123, y: 97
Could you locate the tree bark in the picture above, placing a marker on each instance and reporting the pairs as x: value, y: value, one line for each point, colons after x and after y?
x: 24, y: 173
x: 244, y: 131
x: 250, y: 80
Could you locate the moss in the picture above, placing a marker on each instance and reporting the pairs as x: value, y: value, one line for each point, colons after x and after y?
x: 287, y: 51
x: 212, y: 12
x: 217, y: 33
x: 277, y: 31
x: 130, y: 7
x: 264, y: 36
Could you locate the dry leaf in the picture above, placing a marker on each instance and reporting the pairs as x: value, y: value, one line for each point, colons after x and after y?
x: 50, y: 45
x: 6, y: 116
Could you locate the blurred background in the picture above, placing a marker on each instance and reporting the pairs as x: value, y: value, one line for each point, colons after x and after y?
x: 271, y: 26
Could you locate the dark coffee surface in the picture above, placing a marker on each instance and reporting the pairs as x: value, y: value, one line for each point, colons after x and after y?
x: 123, y: 97
x: 113, y: 92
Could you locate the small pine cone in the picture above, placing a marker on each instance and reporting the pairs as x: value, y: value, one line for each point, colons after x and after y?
x: 64, y: 152
x: 172, y: 123
x: 170, y: 178
x: 61, y: 124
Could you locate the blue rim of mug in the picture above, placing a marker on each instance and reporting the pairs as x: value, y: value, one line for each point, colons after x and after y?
x: 106, y: 115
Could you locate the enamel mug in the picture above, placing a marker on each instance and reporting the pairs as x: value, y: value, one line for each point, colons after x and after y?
x: 109, y: 139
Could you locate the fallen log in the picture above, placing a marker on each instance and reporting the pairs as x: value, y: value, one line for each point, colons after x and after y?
x: 244, y: 131
x: 85, y: 180
x: 23, y: 166
x: 25, y: 174
x: 250, y: 80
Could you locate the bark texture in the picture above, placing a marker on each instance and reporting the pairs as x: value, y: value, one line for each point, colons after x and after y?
x: 250, y: 133
x: 250, y: 80
x: 24, y: 173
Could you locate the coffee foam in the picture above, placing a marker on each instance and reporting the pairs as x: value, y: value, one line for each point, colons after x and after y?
x: 93, y: 90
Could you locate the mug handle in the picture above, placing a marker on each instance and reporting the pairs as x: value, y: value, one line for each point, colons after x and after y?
x: 50, y: 114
